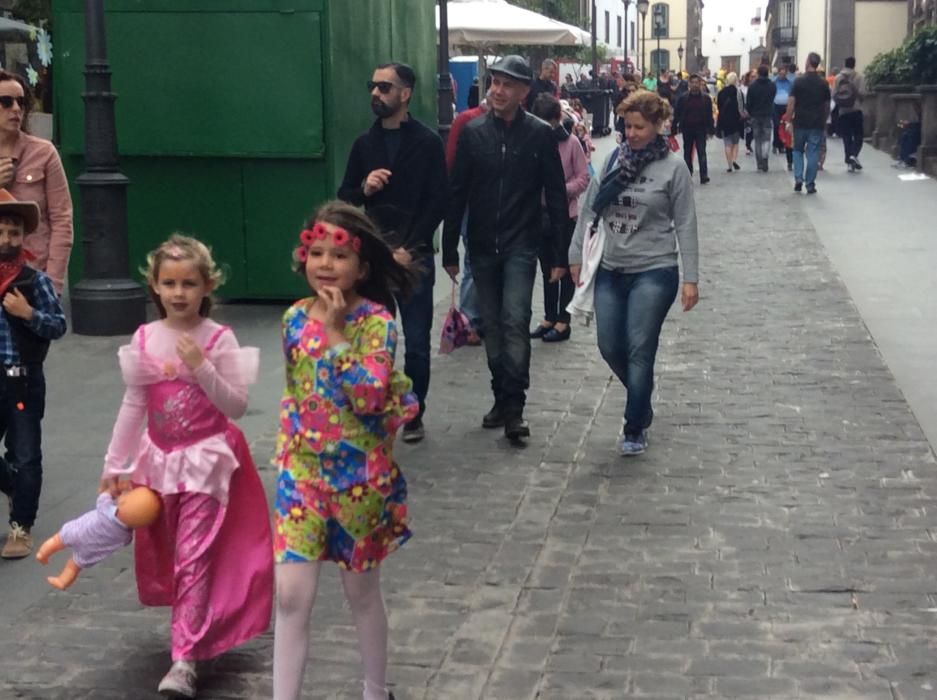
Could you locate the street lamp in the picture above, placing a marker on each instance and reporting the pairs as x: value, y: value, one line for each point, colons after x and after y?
x: 106, y: 301
x: 658, y: 30
x: 444, y: 91
x: 642, y: 8
x: 595, y: 53
x: 624, y: 29
x: 680, y: 54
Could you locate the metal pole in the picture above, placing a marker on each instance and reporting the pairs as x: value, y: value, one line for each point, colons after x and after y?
x: 444, y: 93
x: 106, y: 301
x: 624, y: 30
x: 595, y: 53
x: 644, y: 46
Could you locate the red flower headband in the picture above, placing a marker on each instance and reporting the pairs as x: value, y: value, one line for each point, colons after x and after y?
x: 318, y: 232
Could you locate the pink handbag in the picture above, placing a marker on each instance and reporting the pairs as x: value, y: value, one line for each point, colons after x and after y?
x: 455, y: 329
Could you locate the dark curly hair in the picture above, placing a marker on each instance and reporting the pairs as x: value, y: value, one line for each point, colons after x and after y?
x: 385, y: 279
x: 649, y: 105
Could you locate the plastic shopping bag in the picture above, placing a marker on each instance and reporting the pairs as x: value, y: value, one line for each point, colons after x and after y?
x: 455, y: 329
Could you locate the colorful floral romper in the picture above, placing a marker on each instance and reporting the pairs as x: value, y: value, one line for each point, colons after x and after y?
x: 340, y: 495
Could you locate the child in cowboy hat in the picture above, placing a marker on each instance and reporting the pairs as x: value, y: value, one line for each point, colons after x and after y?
x: 32, y: 316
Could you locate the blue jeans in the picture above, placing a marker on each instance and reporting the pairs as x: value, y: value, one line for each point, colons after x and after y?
x: 416, y: 316
x: 505, y: 286
x: 807, y: 140
x: 468, y: 297
x: 629, y: 312
x: 21, y: 430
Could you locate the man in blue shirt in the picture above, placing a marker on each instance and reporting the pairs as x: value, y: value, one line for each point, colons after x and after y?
x: 31, y: 317
x: 783, y: 84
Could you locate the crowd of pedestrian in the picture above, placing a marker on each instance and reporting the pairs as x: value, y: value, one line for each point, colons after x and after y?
x: 514, y: 189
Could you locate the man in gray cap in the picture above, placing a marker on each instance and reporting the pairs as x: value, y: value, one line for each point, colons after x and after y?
x: 505, y: 162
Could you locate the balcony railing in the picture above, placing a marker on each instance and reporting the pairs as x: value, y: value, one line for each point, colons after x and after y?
x: 781, y: 36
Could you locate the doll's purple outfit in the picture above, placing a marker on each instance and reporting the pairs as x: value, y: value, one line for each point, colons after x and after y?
x: 97, y: 534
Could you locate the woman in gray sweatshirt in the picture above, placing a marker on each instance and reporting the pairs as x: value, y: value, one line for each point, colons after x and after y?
x: 644, y: 198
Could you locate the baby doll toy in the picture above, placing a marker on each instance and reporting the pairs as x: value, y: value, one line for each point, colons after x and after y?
x: 99, y: 533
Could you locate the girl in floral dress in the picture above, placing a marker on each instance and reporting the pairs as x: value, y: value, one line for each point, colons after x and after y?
x: 208, y: 553
x: 340, y: 495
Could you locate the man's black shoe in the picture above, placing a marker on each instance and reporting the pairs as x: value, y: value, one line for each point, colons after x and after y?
x: 703, y: 180
x: 494, y: 418
x: 798, y: 186
x: 811, y: 189
x: 516, y: 428
x: 414, y: 431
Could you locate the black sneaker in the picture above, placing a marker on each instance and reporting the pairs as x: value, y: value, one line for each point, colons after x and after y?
x: 414, y: 431
x: 703, y: 180
x: 855, y: 163
x: 798, y: 187
x: 736, y: 166
x: 516, y: 427
x: 494, y: 418
x: 811, y: 189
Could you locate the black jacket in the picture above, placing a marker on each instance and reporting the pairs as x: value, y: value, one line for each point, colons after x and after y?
x: 500, y: 174
x: 689, y: 113
x: 410, y: 207
x: 760, y: 99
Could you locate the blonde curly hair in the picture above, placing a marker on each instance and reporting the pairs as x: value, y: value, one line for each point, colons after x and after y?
x: 177, y: 248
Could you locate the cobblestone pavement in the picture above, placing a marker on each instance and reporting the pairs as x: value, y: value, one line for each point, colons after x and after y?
x: 777, y: 540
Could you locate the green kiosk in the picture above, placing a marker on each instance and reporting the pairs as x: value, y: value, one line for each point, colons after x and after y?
x: 235, y: 117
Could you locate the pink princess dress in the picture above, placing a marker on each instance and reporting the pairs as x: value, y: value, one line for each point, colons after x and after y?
x: 209, y: 554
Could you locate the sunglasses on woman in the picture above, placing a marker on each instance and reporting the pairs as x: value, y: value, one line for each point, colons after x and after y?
x: 7, y: 101
x: 384, y: 86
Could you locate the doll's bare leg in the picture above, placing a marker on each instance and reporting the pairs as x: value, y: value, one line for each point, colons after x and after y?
x: 67, y: 577
x: 50, y: 547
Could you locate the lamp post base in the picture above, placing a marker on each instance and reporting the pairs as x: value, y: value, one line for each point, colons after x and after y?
x: 107, y: 306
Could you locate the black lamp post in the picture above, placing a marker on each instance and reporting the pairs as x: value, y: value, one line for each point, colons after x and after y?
x: 624, y: 30
x: 680, y: 54
x: 444, y: 92
x: 595, y: 52
x: 642, y: 8
x: 658, y: 30
x: 106, y: 301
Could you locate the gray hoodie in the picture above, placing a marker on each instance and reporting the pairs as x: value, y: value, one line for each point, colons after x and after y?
x: 647, y: 222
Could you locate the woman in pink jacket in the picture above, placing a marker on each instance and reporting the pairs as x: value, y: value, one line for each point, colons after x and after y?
x: 31, y: 170
x: 556, y: 295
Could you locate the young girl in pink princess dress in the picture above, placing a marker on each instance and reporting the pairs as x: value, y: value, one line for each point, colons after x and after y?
x: 208, y: 553
x: 340, y: 495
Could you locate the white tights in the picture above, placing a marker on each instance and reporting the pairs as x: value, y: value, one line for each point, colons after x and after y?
x: 296, y: 594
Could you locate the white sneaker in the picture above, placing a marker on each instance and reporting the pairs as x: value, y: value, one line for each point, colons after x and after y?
x: 632, y: 445
x: 180, y: 681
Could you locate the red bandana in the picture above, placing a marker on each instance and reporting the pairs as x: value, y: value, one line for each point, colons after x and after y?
x: 10, y: 269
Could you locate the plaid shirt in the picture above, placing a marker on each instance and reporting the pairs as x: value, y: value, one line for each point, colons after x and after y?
x: 48, y: 319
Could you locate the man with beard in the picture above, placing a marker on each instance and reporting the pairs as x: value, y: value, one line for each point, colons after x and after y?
x: 31, y: 317
x: 397, y: 171
x: 505, y: 162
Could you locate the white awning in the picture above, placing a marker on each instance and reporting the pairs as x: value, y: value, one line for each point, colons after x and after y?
x: 498, y: 22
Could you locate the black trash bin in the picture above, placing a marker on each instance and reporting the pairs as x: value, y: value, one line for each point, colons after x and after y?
x: 597, y: 102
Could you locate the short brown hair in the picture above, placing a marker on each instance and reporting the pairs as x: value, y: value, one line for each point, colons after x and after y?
x: 649, y: 105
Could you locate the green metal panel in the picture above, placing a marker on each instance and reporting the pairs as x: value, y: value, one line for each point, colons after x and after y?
x: 278, y: 198
x: 272, y: 90
x: 199, y: 197
x: 208, y: 91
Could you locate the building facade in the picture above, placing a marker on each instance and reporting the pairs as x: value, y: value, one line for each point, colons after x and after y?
x: 679, y: 27
x: 617, y: 27
x: 837, y: 29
